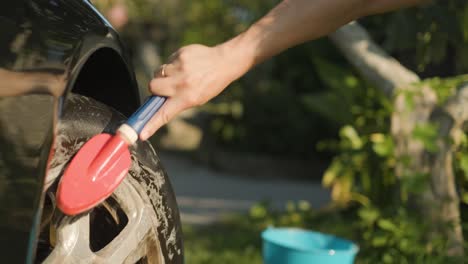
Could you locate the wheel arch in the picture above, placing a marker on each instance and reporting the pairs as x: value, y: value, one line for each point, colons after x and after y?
x: 106, y: 76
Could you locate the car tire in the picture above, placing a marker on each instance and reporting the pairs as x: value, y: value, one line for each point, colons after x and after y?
x: 139, y: 223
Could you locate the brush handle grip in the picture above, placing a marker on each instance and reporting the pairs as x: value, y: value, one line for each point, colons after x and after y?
x: 139, y: 119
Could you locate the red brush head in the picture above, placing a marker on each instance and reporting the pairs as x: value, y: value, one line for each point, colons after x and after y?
x: 93, y: 174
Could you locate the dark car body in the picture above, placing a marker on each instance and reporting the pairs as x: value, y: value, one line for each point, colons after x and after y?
x: 48, y: 49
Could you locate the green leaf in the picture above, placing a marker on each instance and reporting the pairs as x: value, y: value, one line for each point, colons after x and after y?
x: 304, y: 205
x: 464, y: 197
x: 427, y: 133
x: 329, y: 105
x: 258, y: 211
x: 387, y: 258
x: 349, y: 133
x: 387, y: 225
x: 382, y: 144
x: 464, y: 164
x: 409, y: 100
x: 337, y: 78
x: 369, y: 215
x: 331, y: 173
x: 415, y: 183
x: 404, y: 245
x: 379, y: 241
x: 445, y: 87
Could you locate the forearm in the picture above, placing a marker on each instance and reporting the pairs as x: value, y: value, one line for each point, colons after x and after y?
x: 295, y: 21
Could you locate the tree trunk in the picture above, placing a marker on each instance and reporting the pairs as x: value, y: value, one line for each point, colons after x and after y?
x: 374, y: 64
x: 442, y: 196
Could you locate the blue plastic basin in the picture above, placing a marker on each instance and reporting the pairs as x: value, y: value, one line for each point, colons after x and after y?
x: 298, y: 246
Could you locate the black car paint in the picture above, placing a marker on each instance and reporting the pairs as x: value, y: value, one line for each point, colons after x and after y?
x: 47, y: 49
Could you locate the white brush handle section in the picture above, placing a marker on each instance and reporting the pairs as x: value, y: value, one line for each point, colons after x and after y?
x: 128, y: 134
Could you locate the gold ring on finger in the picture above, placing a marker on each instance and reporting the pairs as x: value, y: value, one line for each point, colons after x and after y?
x: 163, y: 73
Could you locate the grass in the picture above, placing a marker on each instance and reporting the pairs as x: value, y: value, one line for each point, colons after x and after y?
x: 222, y: 243
x: 237, y: 238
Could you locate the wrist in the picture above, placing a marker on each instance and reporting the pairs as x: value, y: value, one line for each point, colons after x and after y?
x: 239, y: 55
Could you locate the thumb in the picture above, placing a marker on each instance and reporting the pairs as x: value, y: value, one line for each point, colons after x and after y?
x: 170, y: 108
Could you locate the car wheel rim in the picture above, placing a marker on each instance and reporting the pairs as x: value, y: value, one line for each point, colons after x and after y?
x: 127, y: 215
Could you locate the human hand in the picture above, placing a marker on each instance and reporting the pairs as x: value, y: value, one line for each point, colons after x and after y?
x: 192, y: 76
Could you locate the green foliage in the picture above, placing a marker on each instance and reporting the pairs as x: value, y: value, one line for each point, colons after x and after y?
x: 430, y: 39
x: 398, y: 237
x: 391, y: 236
x: 230, y: 242
x: 461, y: 168
x: 444, y: 87
x: 427, y: 135
x: 277, y: 117
x: 363, y: 171
x: 384, y: 236
x: 388, y: 232
x: 334, y: 103
x: 363, y: 168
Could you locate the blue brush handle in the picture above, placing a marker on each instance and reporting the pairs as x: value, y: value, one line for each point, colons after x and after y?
x: 139, y: 119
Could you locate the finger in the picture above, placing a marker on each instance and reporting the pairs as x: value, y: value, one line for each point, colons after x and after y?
x: 164, y: 86
x: 173, y: 56
x: 170, y: 108
x: 168, y: 69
